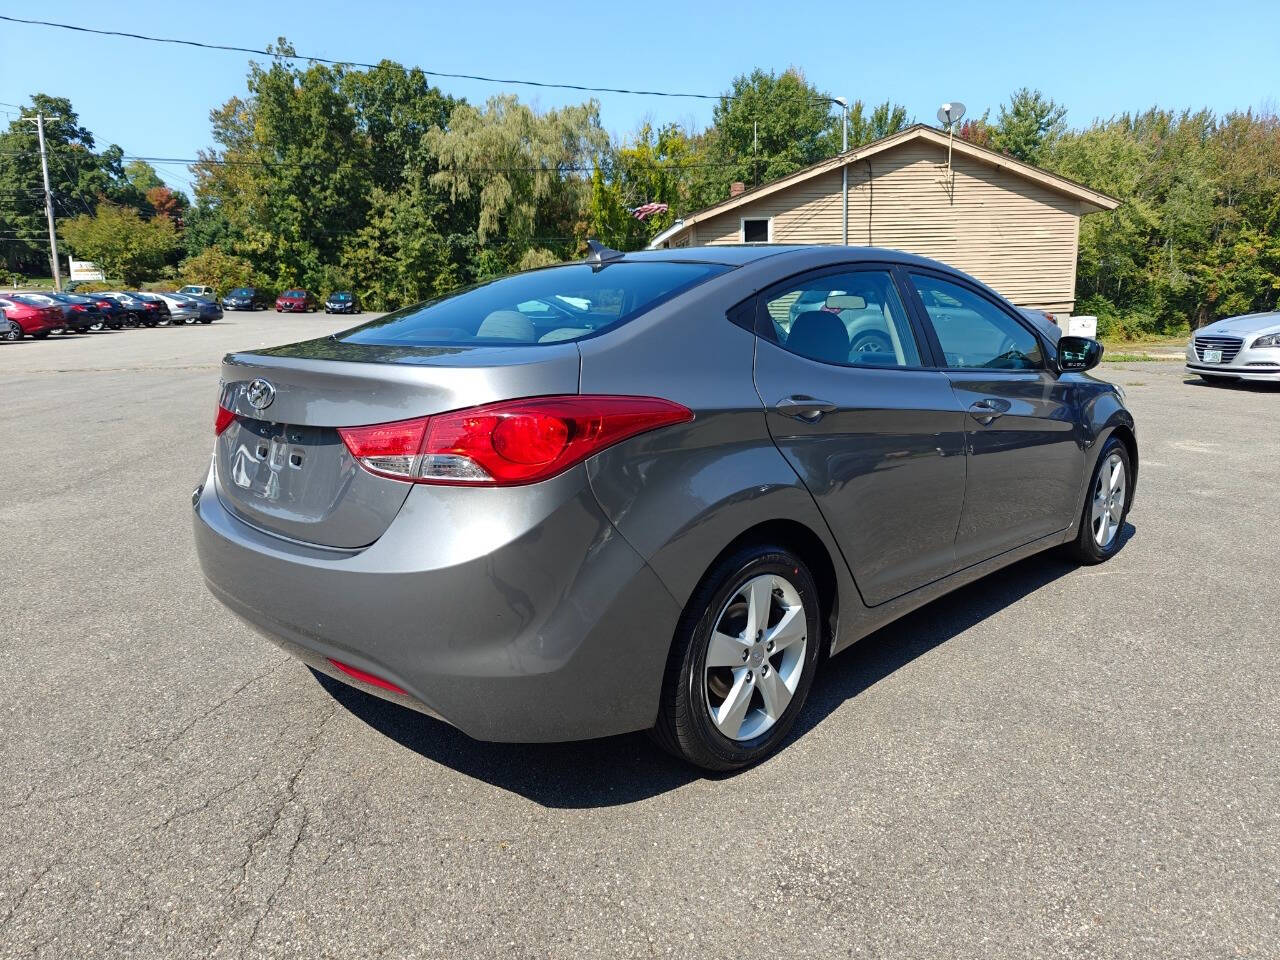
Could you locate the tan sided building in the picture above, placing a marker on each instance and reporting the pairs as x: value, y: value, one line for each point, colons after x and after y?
x: 1013, y: 226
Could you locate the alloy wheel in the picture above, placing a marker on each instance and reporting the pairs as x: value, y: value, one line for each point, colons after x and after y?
x: 755, y: 657
x: 1108, y: 501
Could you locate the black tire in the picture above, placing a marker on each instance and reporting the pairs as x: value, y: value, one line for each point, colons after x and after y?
x: 871, y: 341
x: 97, y: 327
x: 12, y: 331
x: 1085, y: 547
x: 685, y: 727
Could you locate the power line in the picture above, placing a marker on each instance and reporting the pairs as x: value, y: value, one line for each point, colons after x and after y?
x: 248, y: 162
x: 356, y: 63
x: 543, y: 84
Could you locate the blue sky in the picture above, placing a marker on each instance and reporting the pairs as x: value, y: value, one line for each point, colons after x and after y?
x: 1095, y: 58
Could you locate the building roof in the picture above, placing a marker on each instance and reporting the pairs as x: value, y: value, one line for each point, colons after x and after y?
x: 1087, y: 196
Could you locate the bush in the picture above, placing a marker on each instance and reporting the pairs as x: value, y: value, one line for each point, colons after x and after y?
x: 222, y: 271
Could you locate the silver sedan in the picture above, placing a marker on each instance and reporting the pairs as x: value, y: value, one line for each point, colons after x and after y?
x: 639, y: 493
x: 1238, y: 348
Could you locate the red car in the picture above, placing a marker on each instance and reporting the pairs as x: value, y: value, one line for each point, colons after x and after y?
x: 23, y: 317
x: 295, y: 301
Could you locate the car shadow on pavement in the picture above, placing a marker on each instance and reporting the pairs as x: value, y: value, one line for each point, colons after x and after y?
x: 1248, y: 386
x: 624, y: 769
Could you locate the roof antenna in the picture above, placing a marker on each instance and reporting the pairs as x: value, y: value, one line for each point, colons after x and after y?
x: 600, y: 254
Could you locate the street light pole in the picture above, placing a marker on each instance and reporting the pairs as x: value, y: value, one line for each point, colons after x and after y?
x: 844, y: 167
x: 38, y: 119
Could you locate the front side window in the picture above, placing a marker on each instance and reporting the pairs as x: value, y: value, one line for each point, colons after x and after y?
x: 853, y: 318
x: 973, y: 332
x: 541, y: 306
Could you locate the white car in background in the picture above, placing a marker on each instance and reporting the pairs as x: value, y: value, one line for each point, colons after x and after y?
x: 1238, y: 348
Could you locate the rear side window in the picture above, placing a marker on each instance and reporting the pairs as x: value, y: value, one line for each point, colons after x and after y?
x: 552, y: 305
x: 852, y: 318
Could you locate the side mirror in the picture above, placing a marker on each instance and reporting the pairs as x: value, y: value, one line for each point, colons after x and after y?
x: 1078, y: 353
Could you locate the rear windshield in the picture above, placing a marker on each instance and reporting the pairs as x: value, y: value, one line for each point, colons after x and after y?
x: 542, y: 306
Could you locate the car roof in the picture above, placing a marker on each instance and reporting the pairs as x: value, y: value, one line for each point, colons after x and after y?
x: 739, y: 254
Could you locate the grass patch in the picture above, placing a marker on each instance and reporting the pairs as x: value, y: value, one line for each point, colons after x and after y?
x: 1178, y: 341
x: 1130, y: 358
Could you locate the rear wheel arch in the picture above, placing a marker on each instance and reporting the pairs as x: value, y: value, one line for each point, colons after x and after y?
x: 809, y: 547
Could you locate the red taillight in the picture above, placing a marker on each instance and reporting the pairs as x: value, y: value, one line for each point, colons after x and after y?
x: 222, y: 420
x: 105, y: 304
x: 513, y: 442
x: 79, y: 307
x: 387, y: 449
x: 359, y: 674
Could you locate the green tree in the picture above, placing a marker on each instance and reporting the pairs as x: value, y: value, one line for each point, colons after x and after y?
x: 523, y: 167
x: 766, y: 126
x: 884, y: 120
x: 79, y: 176
x: 1027, y: 124
x: 121, y: 242
x: 215, y: 268
x: 655, y: 168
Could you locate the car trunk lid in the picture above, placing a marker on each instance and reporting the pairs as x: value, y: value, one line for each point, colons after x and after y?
x: 281, y: 464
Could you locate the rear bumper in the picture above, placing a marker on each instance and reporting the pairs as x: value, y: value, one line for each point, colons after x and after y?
x: 517, y: 614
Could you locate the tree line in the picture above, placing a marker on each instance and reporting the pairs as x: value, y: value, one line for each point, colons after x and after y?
x: 376, y: 181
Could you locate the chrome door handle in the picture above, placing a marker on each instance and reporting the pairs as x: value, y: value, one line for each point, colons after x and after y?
x: 986, y: 411
x: 804, y: 408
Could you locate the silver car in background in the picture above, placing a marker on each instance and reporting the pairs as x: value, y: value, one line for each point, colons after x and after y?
x: 1238, y: 348
x: 183, y: 310
x: 642, y: 492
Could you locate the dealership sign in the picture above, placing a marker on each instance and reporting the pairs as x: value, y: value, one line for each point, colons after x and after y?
x: 86, y: 270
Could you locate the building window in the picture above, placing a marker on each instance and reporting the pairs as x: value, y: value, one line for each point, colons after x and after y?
x: 756, y: 230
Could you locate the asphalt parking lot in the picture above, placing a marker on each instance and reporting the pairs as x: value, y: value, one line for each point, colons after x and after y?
x: 1053, y: 762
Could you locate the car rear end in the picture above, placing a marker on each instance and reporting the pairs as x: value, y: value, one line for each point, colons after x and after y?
x: 38, y: 316
x: 82, y: 314
x: 209, y: 311
x: 406, y: 507
x: 182, y: 309
x: 113, y: 314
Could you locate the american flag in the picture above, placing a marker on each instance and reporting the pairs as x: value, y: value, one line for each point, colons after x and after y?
x: 647, y: 209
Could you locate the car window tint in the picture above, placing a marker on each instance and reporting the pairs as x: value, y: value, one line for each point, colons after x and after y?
x: 853, y: 319
x: 973, y: 331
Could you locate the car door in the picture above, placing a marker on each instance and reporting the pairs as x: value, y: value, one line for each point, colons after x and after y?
x: 1025, y: 454
x: 876, y: 437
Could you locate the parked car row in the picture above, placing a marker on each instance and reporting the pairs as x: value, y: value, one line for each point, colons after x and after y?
x: 296, y: 300
x: 37, y: 315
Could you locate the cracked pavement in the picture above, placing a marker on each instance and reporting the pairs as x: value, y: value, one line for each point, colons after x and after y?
x: 1054, y: 761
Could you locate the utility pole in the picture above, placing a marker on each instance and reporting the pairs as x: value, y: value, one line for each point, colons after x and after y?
x: 38, y: 119
x: 844, y: 167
